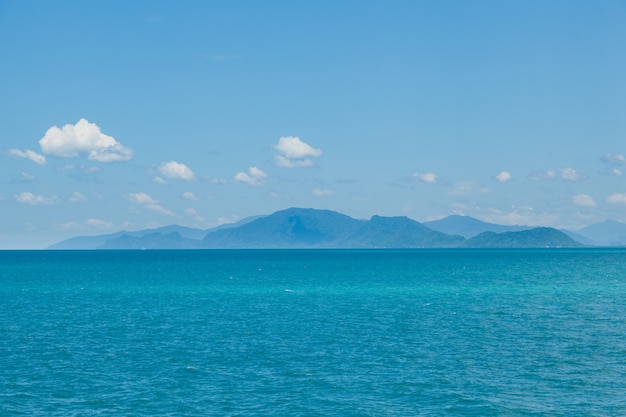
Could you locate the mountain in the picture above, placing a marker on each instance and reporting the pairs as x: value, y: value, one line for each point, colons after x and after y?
x: 607, y: 233
x: 107, y: 241
x: 399, y: 232
x: 311, y: 228
x: 172, y: 240
x: 291, y: 228
x: 540, y: 237
x: 469, y: 227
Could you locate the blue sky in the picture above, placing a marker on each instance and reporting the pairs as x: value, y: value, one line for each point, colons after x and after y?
x: 126, y: 115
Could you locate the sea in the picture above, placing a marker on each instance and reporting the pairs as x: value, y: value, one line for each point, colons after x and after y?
x: 313, y: 333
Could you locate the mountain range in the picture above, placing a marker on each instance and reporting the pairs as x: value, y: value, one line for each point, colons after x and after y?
x: 312, y: 228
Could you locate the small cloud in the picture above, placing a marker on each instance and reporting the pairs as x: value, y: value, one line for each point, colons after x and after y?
x: 141, y: 198
x: 159, y: 180
x: 503, y: 176
x: 161, y: 210
x: 34, y: 200
x: 284, y: 162
x: 428, y: 178
x: 193, y: 213
x: 218, y: 181
x: 614, y: 159
x: 254, y: 176
x: 322, y: 193
x: 570, y: 174
x: 583, y: 200
x: 543, y: 176
x: 176, y: 170
x: 190, y: 196
x: 617, y: 172
x: 28, y: 154
x: 83, y: 138
x: 77, y: 197
x: 294, y: 152
x: 100, y: 224
x: 617, y: 198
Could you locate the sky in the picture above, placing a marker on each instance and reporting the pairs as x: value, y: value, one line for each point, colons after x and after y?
x: 118, y: 115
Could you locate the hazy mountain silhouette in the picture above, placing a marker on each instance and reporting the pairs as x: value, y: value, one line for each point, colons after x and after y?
x: 310, y: 228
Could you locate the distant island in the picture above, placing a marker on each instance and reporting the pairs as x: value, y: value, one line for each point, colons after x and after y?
x: 307, y: 228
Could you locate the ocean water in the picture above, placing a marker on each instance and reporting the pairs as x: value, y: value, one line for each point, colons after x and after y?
x: 313, y: 333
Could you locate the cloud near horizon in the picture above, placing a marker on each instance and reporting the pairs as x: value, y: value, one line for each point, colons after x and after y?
x: 294, y: 152
x: 29, y: 154
x: 614, y: 159
x: 254, y: 176
x: 83, y: 138
x: 617, y: 198
x: 35, y: 200
x: 176, y: 170
x: 584, y: 200
x: 427, y: 178
x: 149, y: 203
x: 322, y: 193
x: 504, y: 176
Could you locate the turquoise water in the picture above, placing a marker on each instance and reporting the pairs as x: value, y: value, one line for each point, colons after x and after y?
x: 313, y: 333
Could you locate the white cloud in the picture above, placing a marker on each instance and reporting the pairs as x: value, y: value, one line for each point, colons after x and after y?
x: 584, y: 200
x: 176, y: 170
x: 428, y: 178
x: 547, y: 175
x: 617, y: 198
x: 100, y: 224
x: 322, y: 193
x: 190, y: 196
x: 504, y: 176
x: 614, y: 159
x: 468, y: 188
x: 159, y: 209
x: 570, y: 174
x: 141, y: 198
x: 284, y: 162
x: 25, y: 177
x: 28, y: 154
x: 159, y: 180
x: 254, y: 176
x: 82, y: 138
x: 77, y: 197
x: 34, y: 200
x: 295, y: 152
x: 149, y: 203
x: 617, y: 172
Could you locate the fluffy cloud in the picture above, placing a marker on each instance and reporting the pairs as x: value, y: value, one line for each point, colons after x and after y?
x: 159, y: 209
x: 188, y: 195
x: 254, y: 176
x: 584, y: 200
x: 617, y: 172
x: 141, y: 198
x: 503, y: 176
x: 617, y: 198
x: 149, y: 203
x: 34, y: 200
x: 28, y: 154
x: 83, y: 138
x: 614, y: 159
x: 428, y: 178
x: 176, y: 170
x: 294, y: 152
x: 77, y: 197
x: 322, y: 193
x: 159, y: 180
x: 570, y: 174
